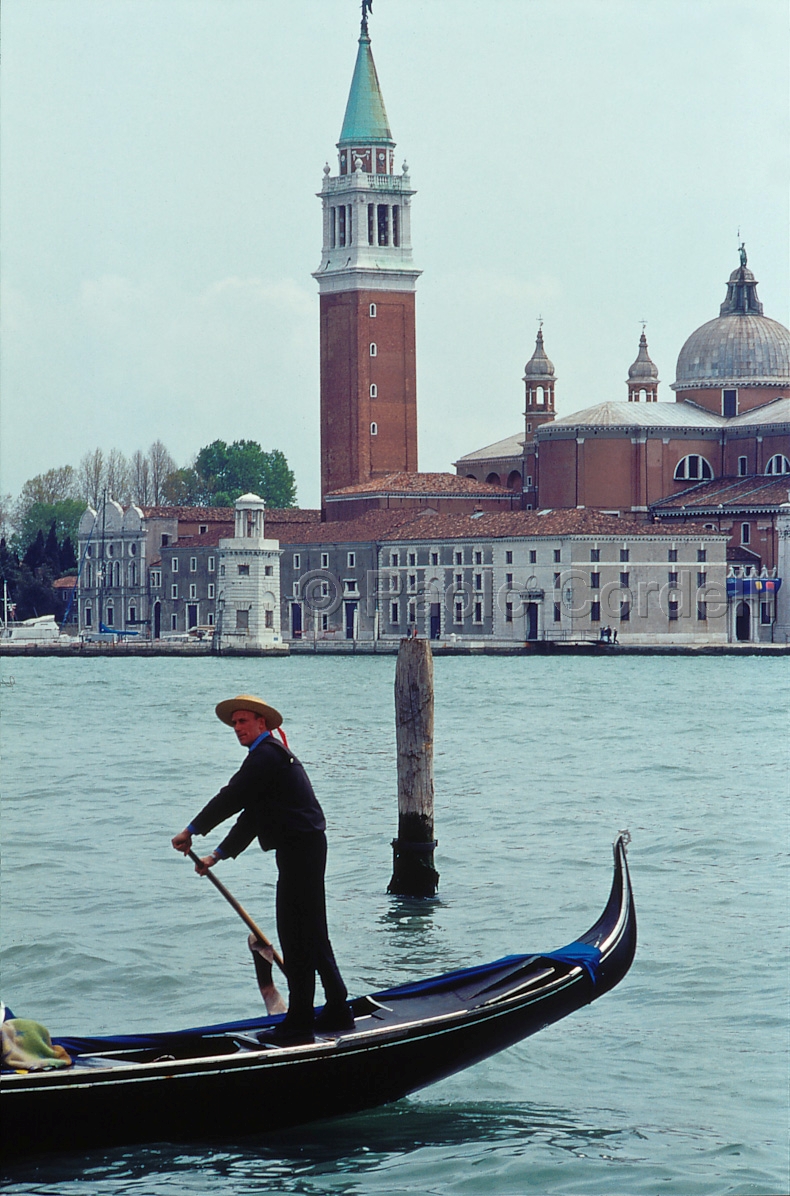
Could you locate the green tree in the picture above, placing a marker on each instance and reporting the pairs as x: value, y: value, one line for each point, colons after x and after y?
x: 40, y: 516
x: 185, y: 488
x: 228, y: 471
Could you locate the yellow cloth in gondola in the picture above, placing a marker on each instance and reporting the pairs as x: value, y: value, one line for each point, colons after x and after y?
x: 27, y: 1046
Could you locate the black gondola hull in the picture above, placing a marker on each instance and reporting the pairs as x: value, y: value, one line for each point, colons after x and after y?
x: 404, y: 1040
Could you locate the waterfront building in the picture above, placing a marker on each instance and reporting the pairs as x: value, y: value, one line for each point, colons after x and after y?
x: 503, y: 579
x: 326, y: 574
x: 248, y: 588
x: 555, y: 576
x: 114, y: 548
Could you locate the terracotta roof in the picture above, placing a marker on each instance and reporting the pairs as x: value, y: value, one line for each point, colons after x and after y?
x: 210, y: 538
x: 64, y: 583
x: 191, y: 514
x: 753, y: 491
x: 373, y: 525
x: 405, y: 484
x: 292, y: 515
x: 506, y: 524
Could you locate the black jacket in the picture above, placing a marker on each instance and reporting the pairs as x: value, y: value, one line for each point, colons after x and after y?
x: 275, y: 797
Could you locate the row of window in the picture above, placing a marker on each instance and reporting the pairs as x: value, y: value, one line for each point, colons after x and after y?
x: 695, y: 468
x: 410, y: 558
x: 193, y: 564
x: 192, y: 591
x: 111, y: 549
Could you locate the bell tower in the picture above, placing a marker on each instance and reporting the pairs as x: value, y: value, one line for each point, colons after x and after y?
x: 643, y: 375
x: 366, y: 284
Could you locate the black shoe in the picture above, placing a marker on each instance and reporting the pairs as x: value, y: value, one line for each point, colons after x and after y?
x: 334, y: 1017
x: 285, y: 1035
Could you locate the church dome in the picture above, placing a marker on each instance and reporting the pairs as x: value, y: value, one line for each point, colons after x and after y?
x: 740, y: 348
x: 539, y: 367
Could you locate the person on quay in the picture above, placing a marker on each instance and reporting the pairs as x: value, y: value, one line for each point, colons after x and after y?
x: 274, y: 799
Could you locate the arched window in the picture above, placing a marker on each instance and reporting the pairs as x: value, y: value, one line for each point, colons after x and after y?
x: 374, y: 429
x: 778, y: 464
x: 693, y: 469
x: 493, y: 479
x: 373, y: 349
x: 372, y: 310
x: 374, y: 390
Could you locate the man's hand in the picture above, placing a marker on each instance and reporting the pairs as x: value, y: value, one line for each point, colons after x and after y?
x: 182, y: 841
x: 205, y: 863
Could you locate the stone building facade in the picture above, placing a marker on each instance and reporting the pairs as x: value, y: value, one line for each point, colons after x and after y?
x: 504, y: 579
x: 561, y: 576
x: 248, y: 593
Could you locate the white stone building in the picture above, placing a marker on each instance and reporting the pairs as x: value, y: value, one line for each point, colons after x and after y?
x: 248, y: 596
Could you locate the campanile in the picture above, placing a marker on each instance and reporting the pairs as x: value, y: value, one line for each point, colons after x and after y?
x: 366, y: 283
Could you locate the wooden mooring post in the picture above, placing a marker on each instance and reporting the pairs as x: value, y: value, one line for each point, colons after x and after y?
x: 413, y: 873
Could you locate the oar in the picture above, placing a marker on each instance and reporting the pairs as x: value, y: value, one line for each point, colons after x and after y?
x: 241, y: 911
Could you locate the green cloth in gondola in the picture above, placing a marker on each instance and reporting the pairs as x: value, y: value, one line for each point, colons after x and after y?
x: 27, y: 1046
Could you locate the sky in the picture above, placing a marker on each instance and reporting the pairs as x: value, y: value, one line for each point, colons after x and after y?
x: 590, y: 163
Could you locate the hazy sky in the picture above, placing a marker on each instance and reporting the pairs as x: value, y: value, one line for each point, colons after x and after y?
x: 587, y: 161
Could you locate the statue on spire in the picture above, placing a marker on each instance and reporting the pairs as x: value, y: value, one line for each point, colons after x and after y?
x: 742, y: 252
x: 367, y: 6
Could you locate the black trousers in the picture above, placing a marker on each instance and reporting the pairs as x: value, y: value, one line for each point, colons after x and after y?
x: 301, y: 925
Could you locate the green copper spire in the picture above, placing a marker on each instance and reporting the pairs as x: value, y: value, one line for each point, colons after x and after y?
x: 365, y: 121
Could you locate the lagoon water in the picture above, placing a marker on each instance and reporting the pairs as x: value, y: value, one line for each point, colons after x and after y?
x: 676, y: 1082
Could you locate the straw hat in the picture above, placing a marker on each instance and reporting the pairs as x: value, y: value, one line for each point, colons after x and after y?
x: 248, y: 702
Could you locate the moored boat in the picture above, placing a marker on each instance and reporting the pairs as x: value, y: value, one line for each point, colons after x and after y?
x: 210, y: 1081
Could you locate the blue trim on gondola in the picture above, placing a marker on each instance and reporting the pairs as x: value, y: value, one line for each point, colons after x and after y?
x: 575, y: 954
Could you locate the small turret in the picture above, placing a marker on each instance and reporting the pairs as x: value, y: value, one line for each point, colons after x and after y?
x: 539, y: 379
x: 643, y: 376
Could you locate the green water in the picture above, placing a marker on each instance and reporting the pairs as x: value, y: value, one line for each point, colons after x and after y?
x: 676, y: 1082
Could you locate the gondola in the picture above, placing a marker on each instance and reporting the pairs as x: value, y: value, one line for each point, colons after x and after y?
x: 215, y: 1081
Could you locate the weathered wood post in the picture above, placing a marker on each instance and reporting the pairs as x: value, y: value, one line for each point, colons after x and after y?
x: 413, y: 873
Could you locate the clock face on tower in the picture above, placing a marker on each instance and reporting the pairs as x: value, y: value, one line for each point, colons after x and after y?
x: 381, y: 162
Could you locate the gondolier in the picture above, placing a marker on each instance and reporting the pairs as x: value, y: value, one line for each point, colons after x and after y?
x: 275, y: 802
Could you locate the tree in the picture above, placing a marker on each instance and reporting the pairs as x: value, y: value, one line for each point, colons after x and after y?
x: 140, y: 479
x: 117, y: 476
x: 228, y: 471
x: 7, y: 515
x: 34, y: 556
x: 160, y: 465
x: 52, y: 552
x: 40, y: 516
x: 68, y: 556
x: 56, y: 485
x: 185, y: 488
x: 91, y: 477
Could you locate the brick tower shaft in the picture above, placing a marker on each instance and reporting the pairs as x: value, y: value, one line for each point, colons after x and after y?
x: 366, y: 282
